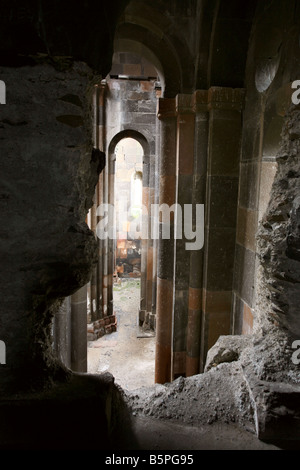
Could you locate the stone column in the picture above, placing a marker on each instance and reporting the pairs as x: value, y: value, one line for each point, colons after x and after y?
x: 110, y: 241
x: 165, y: 264
x: 106, y: 291
x: 100, y: 266
x: 100, y: 197
x: 94, y: 280
x: 79, y: 330
x: 156, y: 201
x: 150, y: 239
x: 144, y: 242
x: 95, y: 285
x: 184, y: 187
x: 62, y: 332
x: 196, y: 256
x: 225, y: 105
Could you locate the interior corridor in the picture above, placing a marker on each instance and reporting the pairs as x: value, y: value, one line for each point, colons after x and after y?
x: 209, y: 92
x: 128, y: 353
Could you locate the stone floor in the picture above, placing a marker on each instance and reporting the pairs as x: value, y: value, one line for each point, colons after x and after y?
x: 129, y: 356
x: 128, y: 353
x: 154, y: 434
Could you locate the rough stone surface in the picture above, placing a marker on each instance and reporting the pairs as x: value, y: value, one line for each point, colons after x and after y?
x: 269, y: 365
x: 247, y: 391
x: 226, y: 349
x: 47, y: 182
x: 219, y: 395
x: 279, y: 238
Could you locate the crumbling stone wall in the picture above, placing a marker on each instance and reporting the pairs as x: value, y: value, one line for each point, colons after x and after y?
x: 47, y: 187
x: 279, y: 239
x: 272, y: 64
x: 47, y: 171
x: 49, y: 55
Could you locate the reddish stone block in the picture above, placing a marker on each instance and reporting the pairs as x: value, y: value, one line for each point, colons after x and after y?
x: 132, y: 70
x: 247, y: 320
x: 163, y: 331
x: 192, y: 366
x: 163, y: 364
x: 195, y: 298
x: 217, y: 301
x: 193, y: 333
x: 147, y: 86
x: 186, y: 144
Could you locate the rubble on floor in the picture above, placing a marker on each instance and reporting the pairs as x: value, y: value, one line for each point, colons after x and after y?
x: 238, y: 391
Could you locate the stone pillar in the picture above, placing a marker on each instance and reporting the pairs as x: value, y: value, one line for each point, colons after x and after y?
x: 165, y: 265
x: 225, y: 105
x: 100, y: 266
x: 106, y: 291
x: 79, y: 330
x: 100, y: 197
x: 156, y: 201
x: 196, y: 256
x: 150, y: 239
x: 62, y: 332
x: 110, y: 241
x: 95, y: 285
x: 94, y: 281
x: 184, y: 187
x: 155, y: 241
x: 144, y: 242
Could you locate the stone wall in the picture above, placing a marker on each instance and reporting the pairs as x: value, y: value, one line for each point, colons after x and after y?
x: 268, y: 98
x: 48, y: 181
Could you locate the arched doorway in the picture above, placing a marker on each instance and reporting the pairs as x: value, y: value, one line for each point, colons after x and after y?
x: 129, y: 162
x: 128, y: 208
x: 128, y: 352
x: 126, y: 111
